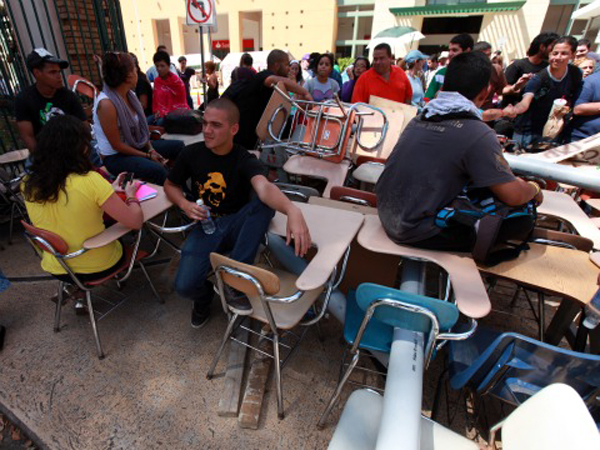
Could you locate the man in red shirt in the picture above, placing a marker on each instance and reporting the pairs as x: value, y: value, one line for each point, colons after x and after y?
x: 383, y: 79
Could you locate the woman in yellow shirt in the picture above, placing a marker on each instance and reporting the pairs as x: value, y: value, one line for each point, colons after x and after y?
x: 64, y: 195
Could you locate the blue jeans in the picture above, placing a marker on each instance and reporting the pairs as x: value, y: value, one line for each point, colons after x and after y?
x: 526, y: 139
x: 145, y: 168
x: 237, y: 234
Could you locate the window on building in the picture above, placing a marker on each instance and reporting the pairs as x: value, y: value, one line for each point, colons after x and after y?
x: 162, y: 34
x: 557, y: 18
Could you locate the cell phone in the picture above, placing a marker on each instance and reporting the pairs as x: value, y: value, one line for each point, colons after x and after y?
x: 128, y: 178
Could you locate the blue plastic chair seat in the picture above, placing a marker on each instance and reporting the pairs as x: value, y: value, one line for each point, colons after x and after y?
x: 378, y: 335
x: 513, y: 367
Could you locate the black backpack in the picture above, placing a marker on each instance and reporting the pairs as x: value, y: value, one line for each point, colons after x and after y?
x: 502, y: 231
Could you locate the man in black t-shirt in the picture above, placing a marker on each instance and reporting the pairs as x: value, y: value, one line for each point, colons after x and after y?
x: 186, y: 73
x: 252, y: 95
x: 241, y: 200
x: 522, y: 70
x: 441, y: 152
x: 37, y: 104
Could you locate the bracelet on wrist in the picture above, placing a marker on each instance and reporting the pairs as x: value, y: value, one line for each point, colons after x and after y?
x: 130, y: 200
x: 536, y: 186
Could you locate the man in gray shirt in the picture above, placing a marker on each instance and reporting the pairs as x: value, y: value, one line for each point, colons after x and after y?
x: 444, y: 150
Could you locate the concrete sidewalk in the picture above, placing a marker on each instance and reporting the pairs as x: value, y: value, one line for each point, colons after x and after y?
x: 150, y: 391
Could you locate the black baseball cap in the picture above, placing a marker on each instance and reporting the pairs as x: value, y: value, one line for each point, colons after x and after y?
x: 40, y: 56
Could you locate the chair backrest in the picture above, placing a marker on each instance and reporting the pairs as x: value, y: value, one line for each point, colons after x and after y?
x: 298, y: 192
x: 350, y: 195
x: 83, y: 86
x: 327, y: 128
x: 268, y: 280
x: 446, y: 313
x: 52, y: 242
x: 515, y: 367
x: 363, y: 159
x: 555, y: 418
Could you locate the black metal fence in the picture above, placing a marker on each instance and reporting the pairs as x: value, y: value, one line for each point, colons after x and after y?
x: 74, y: 30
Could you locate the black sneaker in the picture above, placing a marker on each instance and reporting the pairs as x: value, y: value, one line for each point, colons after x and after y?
x: 237, y: 301
x: 200, y: 317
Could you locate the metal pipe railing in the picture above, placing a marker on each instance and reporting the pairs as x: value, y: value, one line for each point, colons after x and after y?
x: 556, y: 172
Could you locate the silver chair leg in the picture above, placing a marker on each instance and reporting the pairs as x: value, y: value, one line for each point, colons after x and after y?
x: 88, y: 298
x: 226, y: 336
x: 59, y: 303
x: 280, y: 412
x: 11, y: 225
x: 338, y: 390
x: 154, y: 291
x: 541, y: 314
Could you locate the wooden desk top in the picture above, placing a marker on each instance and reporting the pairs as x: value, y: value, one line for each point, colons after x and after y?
x: 594, y: 203
x: 471, y: 297
x: 556, y: 270
x: 347, y: 206
x: 332, y: 231
x: 595, y: 258
x: 561, y: 205
x: 335, y: 174
x: 187, y: 139
x: 150, y: 208
x: 14, y: 156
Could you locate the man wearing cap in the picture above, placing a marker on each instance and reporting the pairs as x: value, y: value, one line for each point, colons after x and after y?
x: 46, y: 98
x: 458, y: 44
x: 383, y: 79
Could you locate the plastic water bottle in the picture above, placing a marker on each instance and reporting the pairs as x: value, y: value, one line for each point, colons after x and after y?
x: 592, y: 312
x: 208, y: 225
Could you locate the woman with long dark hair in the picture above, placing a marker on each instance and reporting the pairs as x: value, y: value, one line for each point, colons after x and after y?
x: 120, y: 125
x: 361, y: 65
x: 64, y: 195
x: 295, y: 73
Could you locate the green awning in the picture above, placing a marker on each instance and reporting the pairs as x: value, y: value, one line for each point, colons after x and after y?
x: 465, y: 8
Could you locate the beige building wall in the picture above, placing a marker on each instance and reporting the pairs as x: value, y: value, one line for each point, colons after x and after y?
x: 299, y: 27
x: 512, y: 31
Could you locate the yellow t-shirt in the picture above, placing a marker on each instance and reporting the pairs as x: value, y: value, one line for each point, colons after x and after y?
x: 76, y: 217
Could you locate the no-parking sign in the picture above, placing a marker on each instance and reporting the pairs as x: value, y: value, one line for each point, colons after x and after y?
x: 200, y: 12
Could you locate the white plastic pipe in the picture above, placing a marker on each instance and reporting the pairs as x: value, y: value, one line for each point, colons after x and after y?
x: 401, y: 418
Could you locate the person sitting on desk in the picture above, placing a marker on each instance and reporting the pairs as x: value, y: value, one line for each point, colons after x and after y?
x: 232, y: 185
x: 120, y: 125
x: 63, y: 194
x: 442, y: 151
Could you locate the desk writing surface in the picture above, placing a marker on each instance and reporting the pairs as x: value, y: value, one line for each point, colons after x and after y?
x: 14, y: 156
x: 151, y: 208
x: 334, y: 173
x: 471, y: 296
x: 347, y: 206
x: 563, y: 206
x: 331, y: 230
x: 559, y: 271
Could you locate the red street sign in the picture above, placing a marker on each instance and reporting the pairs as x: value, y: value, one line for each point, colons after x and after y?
x: 199, y: 11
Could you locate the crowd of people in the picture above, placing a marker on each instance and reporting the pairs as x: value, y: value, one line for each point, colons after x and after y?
x: 465, y: 97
